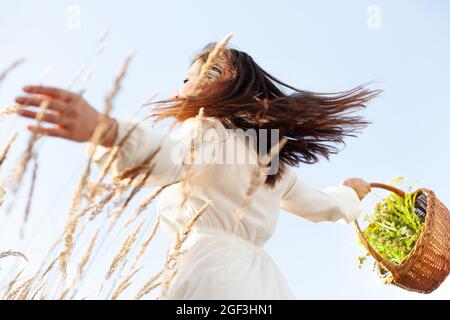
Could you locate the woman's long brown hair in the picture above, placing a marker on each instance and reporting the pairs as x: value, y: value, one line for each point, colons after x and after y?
x: 242, y: 95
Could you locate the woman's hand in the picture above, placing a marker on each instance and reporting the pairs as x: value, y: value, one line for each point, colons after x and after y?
x: 361, y: 187
x: 73, y: 117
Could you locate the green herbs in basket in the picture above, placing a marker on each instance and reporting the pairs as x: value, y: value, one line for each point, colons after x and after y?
x: 394, y: 227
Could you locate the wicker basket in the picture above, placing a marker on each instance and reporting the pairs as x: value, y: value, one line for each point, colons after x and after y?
x: 428, y: 264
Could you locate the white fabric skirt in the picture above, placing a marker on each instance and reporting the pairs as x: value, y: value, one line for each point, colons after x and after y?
x: 219, y: 265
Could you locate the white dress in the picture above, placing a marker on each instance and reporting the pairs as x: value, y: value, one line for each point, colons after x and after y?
x: 224, y: 255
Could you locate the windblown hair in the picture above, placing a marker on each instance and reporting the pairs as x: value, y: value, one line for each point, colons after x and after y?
x: 242, y: 95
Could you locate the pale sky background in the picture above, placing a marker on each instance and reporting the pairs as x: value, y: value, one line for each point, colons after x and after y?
x: 314, y: 45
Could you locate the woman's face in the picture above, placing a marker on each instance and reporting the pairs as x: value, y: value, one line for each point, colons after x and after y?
x: 191, y: 79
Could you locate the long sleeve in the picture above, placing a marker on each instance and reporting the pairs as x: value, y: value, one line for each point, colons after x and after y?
x: 331, y: 204
x: 141, y: 142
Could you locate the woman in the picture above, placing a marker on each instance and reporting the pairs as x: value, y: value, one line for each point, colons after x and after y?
x: 224, y: 256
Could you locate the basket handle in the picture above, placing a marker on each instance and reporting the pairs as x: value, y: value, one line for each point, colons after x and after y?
x: 388, y: 265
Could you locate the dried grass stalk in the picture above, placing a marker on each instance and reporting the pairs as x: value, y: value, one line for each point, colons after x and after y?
x: 257, y: 178
x: 28, y: 154
x: 26, y: 289
x: 165, y: 285
x: 142, y: 169
x: 9, y: 110
x: 87, y: 254
x: 188, y: 228
x: 70, y: 229
x: 274, y: 151
x: 14, y: 65
x: 64, y: 294
x: 10, y: 253
x: 78, y: 195
x: 147, y: 101
x: 149, y: 285
x: 212, y: 58
x: 190, y: 168
x: 144, y: 204
x: 18, y: 291
x: 146, y: 244
x: 123, y: 285
x: 76, y: 77
x: 95, y: 189
x: 123, y: 252
x: 105, y: 200
x: 112, y: 156
x: 2, y: 195
x: 30, y: 194
x: 255, y: 181
x: 12, y: 283
x: 172, y: 256
x: 99, y: 131
x: 50, y: 267
x: 86, y: 79
x: 101, y: 43
x: 5, y: 151
x: 38, y: 290
x: 134, y: 191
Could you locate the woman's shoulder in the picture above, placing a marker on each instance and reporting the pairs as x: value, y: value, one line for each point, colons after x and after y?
x: 202, y: 121
x: 209, y: 128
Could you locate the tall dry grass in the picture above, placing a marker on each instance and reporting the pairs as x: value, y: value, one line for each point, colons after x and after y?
x: 8, y: 70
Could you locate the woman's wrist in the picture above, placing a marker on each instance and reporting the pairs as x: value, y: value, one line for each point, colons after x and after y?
x: 110, y: 134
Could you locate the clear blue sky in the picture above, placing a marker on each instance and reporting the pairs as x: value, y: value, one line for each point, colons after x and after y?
x: 314, y: 45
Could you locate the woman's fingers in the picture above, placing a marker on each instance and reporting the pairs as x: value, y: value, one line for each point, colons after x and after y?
x: 53, y: 132
x: 37, y: 101
x: 56, y: 93
x: 46, y: 116
x: 75, y: 119
x: 361, y: 187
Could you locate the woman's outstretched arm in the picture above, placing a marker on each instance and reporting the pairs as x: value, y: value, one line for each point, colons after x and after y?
x: 73, y: 118
x: 330, y: 204
x: 137, y: 144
